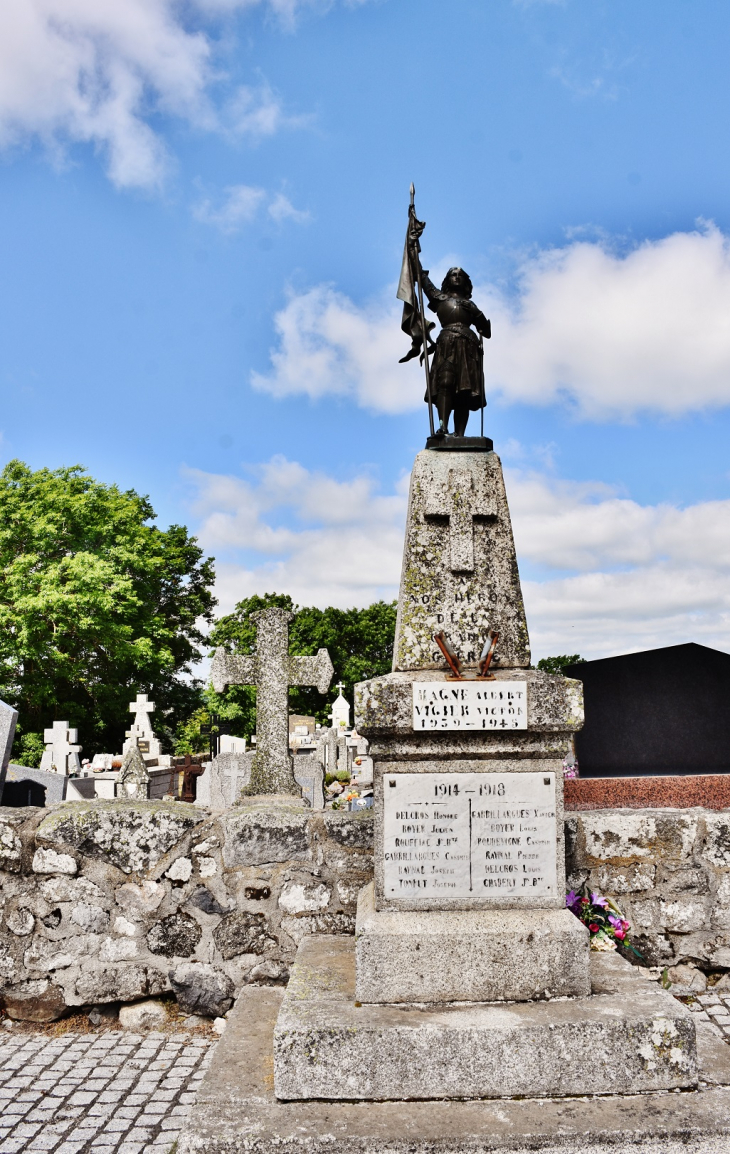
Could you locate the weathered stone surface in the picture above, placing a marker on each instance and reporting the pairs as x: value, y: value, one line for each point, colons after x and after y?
x: 468, y: 956
x: 459, y: 564
x: 686, y: 979
x: 635, y: 1038
x: 384, y: 705
x: 175, y: 936
x: 132, y: 835
x: 90, y: 919
x: 120, y: 983
x: 242, y: 933
x: 149, y: 1015
x: 11, y: 847
x: 202, y: 989
x: 255, y: 836
x: 48, y: 861
x: 33, y: 1001
x: 236, y: 1112
x: 144, y: 897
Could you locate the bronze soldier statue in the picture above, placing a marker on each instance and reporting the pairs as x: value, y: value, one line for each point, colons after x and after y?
x: 457, y: 369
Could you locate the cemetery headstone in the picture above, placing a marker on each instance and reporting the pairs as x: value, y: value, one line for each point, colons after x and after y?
x: 340, y: 714
x: 8, y: 722
x: 134, y: 776
x: 272, y: 671
x: 61, y: 754
x: 141, y: 728
x: 658, y: 712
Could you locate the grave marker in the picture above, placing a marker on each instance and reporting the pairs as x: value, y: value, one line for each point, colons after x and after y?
x: 272, y: 671
x: 61, y: 754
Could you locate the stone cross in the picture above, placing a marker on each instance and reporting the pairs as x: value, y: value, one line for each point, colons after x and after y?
x: 142, y: 708
x: 457, y: 501
x: 61, y: 753
x: 272, y: 671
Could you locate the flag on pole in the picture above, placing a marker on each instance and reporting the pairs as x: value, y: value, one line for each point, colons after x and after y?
x: 412, y: 323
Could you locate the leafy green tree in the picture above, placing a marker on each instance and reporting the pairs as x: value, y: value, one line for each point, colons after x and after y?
x: 360, y: 643
x: 557, y: 664
x: 96, y: 603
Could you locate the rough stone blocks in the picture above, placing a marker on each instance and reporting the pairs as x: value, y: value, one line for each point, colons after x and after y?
x: 468, y: 956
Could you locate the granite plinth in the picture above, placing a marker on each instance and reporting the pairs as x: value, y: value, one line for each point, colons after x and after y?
x: 236, y: 1112
x: 384, y: 706
x: 630, y: 1037
x: 709, y: 790
x: 459, y: 564
x: 468, y: 956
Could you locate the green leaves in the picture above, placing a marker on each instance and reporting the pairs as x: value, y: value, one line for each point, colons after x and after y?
x: 95, y: 603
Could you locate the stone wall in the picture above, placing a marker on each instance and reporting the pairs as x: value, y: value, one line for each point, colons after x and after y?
x: 668, y: 869
x: 115, y: 901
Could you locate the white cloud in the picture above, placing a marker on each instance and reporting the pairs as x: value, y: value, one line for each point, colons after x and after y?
x: 240, y: 206
x: 281, y: 208
x: 328, y: 345
x: 611, y: 333
x: 96, y: 71
x: 607, y: 575
x: 344, y: 547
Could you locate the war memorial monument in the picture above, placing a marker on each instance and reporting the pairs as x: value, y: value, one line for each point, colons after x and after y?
x: 467, y: 1012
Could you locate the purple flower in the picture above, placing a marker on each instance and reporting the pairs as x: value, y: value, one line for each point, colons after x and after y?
x: 599, y: 901
x: 572, y: 900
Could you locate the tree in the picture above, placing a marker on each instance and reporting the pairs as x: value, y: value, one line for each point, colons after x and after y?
x: 360, y: 643
x: 557, y: 664
x: 95, y: 604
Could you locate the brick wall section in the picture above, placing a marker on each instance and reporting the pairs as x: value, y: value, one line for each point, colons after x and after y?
x: 115, y: 901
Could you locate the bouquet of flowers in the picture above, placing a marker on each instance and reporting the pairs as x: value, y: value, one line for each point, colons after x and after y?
x: 606, y: 924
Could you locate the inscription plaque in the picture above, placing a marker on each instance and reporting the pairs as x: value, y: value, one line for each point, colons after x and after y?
x: 469, y: 705
x: 469, y: 835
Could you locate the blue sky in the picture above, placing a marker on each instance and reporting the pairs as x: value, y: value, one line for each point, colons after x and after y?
x: 202, y: 209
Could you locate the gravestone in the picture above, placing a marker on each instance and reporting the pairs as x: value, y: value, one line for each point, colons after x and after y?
x: 340, y: 713
x: 661, y: 711
x: 134, y: 777
x: 141, y: 728
x: 272, y: 671
x: 61, y: 754
x: 8, y: 722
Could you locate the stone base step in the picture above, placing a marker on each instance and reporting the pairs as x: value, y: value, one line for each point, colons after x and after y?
x: 236, y: 1112
x: 627, y: 1037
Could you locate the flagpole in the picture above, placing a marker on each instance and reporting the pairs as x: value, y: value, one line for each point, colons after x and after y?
x: 424, y: 331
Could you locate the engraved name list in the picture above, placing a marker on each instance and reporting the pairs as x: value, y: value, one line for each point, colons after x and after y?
x: 469, y: 835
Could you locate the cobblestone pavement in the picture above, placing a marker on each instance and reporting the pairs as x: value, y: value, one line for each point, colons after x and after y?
x: 713, y: 1008
x: 126, y: 1093
x: 113, y: 1091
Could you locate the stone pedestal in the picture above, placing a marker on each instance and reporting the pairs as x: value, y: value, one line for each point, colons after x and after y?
x: 630, y: 1037
x: 468, y: 956
x: 468, y: 978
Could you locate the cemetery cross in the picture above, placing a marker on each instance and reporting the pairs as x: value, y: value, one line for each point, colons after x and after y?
x: 272, y: 671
